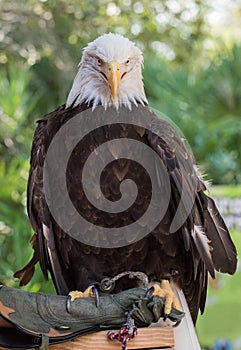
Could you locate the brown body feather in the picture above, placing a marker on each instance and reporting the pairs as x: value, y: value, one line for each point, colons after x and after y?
x: 73, y: 265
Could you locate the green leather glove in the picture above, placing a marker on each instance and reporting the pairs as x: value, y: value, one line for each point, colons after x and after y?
x: 37, y: 317
x: 149, y: 310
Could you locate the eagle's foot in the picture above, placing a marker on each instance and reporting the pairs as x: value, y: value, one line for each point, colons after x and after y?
x: 163, y: 290
x: 88, y: 293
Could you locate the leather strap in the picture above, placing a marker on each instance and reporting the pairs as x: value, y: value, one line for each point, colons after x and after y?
x: 45, y: 343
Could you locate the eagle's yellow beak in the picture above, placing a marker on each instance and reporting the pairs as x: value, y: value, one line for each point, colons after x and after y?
x: 113, y: 77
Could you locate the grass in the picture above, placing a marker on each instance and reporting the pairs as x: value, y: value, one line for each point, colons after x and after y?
x: 222, y: 316
x: 229, y: 191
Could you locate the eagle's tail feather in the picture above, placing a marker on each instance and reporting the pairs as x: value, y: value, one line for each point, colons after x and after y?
x: 26, y: 273
x: 202, y: 244
x: 224, y: 254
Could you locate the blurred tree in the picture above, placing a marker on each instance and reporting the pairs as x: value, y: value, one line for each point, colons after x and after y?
x: 206, y: 105
x: 17, y: 112
x: 36, y: 29
x: 49, y: 35
x: 222, y: 101
x: 17, y: 104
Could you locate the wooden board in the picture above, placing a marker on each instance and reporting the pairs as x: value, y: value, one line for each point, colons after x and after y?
x: 151, y: 338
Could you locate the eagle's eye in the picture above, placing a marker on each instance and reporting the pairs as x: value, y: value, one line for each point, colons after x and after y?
x: 99, y: 61
x: 127, y: 62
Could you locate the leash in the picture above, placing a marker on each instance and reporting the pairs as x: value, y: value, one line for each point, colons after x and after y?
x: 126, y: 333
x: 108, y: 284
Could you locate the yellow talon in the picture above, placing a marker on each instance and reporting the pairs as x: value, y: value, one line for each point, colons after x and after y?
x: 163, y: 290
x: 88, y: 293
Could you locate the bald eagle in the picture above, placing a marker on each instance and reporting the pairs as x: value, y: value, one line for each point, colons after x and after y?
x: 109, y: 79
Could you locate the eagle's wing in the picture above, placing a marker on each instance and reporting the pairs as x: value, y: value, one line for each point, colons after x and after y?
x: 43, y: 240
x: 58, y: 252
x: 199, y: 243
x: 204, y: 233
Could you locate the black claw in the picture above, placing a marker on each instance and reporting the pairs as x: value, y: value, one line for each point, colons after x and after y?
x: 97, y: 296
x: 149, y: 292
x: 165, y: 317
x: 177, y: 323
x: 68, y: 301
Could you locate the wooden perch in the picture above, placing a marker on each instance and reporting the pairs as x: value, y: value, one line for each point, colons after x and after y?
x: 151, y: 338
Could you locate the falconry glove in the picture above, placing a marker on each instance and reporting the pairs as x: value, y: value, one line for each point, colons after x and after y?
x: 40, y: 319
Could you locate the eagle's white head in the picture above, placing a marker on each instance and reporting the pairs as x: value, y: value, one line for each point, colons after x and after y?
x: 110, y: 73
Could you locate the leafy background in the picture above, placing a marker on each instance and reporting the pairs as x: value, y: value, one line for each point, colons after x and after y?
x: 192, y: 74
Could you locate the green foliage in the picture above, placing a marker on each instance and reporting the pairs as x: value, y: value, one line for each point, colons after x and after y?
x: 205, y: 105
x: 12, y: 214
x: 202, y: 96
x: 228, y: 191
x: 17, y: 105
x: 16, y: 115
x: 58, y: 29
x: 49, y: 35
x: 223, y: 112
